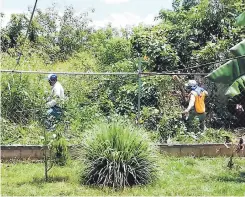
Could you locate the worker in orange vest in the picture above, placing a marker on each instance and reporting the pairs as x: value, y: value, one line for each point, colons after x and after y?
x: 196, y: 107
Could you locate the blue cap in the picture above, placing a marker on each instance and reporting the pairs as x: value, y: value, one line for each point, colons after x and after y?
x: 52, y: 77
x: 191, y: 83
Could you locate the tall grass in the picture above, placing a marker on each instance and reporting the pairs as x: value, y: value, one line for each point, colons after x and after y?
x: 118, y: 154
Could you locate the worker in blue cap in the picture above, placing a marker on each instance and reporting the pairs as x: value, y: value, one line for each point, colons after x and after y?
x: 56, y: 98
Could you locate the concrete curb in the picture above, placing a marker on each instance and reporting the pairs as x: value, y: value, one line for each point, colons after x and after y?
x: 199, y: 150
x: 35, y: 152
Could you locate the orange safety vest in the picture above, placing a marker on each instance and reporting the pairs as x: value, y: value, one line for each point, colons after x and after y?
x: 199, y: 102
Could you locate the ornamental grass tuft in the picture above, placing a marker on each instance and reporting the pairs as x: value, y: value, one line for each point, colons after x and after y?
x: 117, y: 155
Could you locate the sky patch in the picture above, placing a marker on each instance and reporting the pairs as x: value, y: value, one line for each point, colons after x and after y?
x: 115, y: 1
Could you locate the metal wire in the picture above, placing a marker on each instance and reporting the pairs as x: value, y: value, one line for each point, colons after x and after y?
x: 23, y: 44
x: 210, y: 63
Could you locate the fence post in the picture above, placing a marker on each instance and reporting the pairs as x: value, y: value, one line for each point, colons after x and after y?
x: 139, y: 89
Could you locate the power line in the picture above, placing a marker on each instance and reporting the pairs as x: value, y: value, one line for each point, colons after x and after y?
x: 210, y: 63
x: 23, y: 44
x: 102, y: 73
x: 69, y: 73
x: 173, y: 73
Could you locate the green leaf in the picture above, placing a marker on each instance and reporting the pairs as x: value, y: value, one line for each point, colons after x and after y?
x: 226, y: 73
x: 238, y: 49
x: 240, y: 20
x: 237, y: 87
x: 231, y: 70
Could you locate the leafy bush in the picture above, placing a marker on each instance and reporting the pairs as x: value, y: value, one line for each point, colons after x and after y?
x: 22, y: 100
x: 160, y: 54
x: 116, y: 49
x: 60, y: 149
x: 161, y: 109
x: 12, y: 133
x: 209, y: 136
x: 117, y: 155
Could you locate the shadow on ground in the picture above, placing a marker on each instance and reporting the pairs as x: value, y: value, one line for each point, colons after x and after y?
x: 38, y: 181
x: 240, y: 178
x: 52, y: 179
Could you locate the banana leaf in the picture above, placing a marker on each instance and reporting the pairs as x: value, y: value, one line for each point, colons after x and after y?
x: 237, y: 87
x: 227, y: 73
x: 238, y: 49
x: 231, y: 70
x: 240, y: 20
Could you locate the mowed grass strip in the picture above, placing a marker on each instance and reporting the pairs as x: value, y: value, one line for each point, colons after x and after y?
x: 176, y: 176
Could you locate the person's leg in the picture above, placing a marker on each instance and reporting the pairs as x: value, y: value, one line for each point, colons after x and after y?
x: 57, y: 112
x: 54, y: 115
x: 201, y: 118
x: 190, y: 119
x: 49, y: 117
x: 49, y: 111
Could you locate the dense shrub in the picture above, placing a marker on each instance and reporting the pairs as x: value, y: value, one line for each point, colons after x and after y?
x: 21, y: 99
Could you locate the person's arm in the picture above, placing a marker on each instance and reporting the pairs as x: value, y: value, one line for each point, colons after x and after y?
x: 53, y: 98
x: 52, y: 102
x: 191, y: 103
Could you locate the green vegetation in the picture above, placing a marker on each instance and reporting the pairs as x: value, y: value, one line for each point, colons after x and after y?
x: 193, y: 33
x: 176, y: 176
x: 117, y: 155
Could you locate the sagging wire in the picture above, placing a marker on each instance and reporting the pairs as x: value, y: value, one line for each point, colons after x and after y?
x: 211, y: 63
x: 178, y: 71
x: 24, y: 41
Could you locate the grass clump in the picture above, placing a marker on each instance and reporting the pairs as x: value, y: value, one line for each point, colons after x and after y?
x: 118, y: 154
